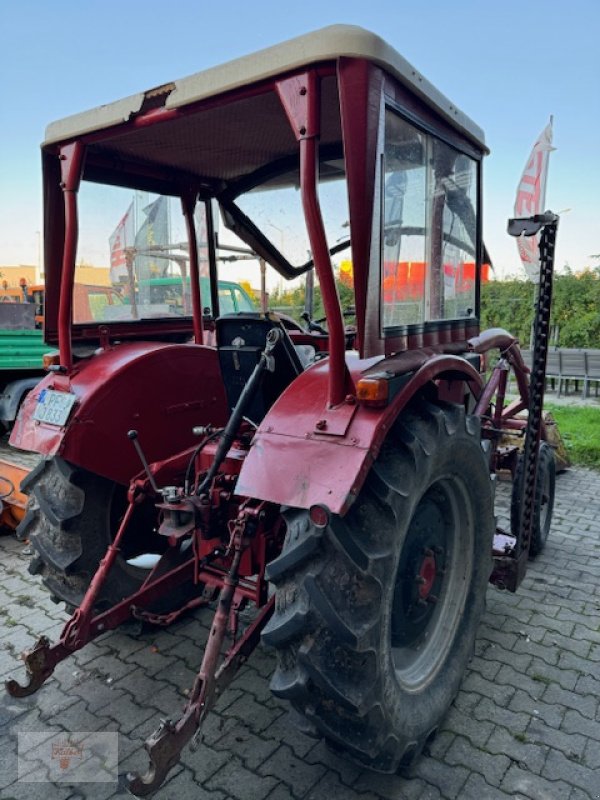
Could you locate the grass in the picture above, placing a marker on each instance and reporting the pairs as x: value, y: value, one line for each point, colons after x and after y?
x: 541, y: 678
x: 580, y: 428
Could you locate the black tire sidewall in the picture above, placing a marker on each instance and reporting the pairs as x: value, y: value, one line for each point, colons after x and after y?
x: 335, y: 590
x: 546, y: 468
x: 417, y: 713
x: 97, y: 527
x: 90, y: 508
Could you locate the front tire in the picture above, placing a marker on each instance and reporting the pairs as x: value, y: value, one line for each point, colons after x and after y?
x: 376, y: 614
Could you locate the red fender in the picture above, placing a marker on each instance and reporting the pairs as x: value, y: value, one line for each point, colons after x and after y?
x: 296, y: 460
x: 160, y: 390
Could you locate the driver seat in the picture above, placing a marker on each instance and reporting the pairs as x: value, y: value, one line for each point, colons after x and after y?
x: 241, y: 338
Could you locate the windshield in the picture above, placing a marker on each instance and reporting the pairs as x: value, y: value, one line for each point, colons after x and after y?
x: 133, y: 259
x: 133, y: 256
x: 275, y: 207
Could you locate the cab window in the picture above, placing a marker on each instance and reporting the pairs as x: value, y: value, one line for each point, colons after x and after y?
x: 429, y: 236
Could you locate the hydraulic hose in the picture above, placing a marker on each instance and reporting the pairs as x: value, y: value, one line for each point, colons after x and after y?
x: 266, y: 362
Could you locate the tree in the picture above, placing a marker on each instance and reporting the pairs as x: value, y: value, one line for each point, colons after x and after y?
x: 575, y: 308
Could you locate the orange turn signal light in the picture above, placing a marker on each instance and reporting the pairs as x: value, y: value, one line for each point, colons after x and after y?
x: 50, y: 359
x: 373, y: 392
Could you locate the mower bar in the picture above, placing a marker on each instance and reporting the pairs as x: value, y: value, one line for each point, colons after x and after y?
x: 529, y: 226
x: 548, y: 224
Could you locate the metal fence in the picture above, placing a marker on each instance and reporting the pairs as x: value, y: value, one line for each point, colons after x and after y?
x: 565, y: 367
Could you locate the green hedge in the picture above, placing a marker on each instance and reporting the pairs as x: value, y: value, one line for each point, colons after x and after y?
x: 507, y: 304
x: 575, y: 308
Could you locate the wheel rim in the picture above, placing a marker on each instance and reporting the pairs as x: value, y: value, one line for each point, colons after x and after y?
x: 432, y: 582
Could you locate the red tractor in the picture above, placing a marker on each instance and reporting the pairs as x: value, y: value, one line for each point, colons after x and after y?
x: 358, y: 484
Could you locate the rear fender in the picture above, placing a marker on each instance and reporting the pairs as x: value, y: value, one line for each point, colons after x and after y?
x: 12, y: 396
x: 295, y: 462
x: 160, y: 390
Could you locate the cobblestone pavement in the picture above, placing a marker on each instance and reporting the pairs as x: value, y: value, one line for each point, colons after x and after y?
x: 526, y: 723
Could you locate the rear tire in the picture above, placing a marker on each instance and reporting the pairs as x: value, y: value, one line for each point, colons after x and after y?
x: 71, y: 518
x: 376, y: 614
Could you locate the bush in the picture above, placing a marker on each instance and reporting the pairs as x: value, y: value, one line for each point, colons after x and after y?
x: 575, y: 308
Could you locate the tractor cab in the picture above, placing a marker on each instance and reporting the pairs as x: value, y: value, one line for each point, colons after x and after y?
x: 328, y: 144
x: 326, y: 147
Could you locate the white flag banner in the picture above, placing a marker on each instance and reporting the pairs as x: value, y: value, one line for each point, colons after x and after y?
x: 531, y: 199
x: 121, y: 238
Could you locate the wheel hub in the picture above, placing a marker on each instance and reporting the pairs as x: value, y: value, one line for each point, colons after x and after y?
x: 420, y: 574
x: 427, y: 574
x: 432, y: 581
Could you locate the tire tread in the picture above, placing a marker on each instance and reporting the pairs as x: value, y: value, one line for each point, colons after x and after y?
x: 328, y: 662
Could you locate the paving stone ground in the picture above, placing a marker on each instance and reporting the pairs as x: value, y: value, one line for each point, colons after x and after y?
x: 525, y: 725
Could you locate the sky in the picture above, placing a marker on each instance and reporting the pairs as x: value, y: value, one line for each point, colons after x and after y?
x: 509, y: 65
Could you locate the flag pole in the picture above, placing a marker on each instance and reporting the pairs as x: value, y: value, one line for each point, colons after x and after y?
x: 531, y: 200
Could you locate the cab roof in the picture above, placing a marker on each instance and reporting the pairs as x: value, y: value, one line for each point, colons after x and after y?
x: 324, y: 45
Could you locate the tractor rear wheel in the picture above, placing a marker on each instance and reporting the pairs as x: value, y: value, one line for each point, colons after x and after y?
x: 71, y: 518
x: 376, y: 613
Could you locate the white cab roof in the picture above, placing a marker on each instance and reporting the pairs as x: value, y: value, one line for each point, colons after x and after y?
x: 326, y: 44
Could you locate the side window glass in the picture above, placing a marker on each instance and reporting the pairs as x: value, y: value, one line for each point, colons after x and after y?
x: 405, y: 222
x: 454, y: 190
x: 429, y: 237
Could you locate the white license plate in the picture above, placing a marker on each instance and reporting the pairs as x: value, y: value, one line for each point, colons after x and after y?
x: 54, y: 407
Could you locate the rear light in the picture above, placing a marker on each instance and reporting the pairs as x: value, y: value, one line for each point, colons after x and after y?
x: 373, y: 392
x: 50, y: 360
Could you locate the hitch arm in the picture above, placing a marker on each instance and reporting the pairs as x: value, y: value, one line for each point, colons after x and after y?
x: 41, y: 661
x: 164, y: 746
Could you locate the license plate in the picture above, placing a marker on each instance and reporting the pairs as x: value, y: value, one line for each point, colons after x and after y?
x: 54, y: 407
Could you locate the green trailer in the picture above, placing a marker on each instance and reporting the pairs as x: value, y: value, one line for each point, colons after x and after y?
x: 22, y: 348
x: 22, y: 345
